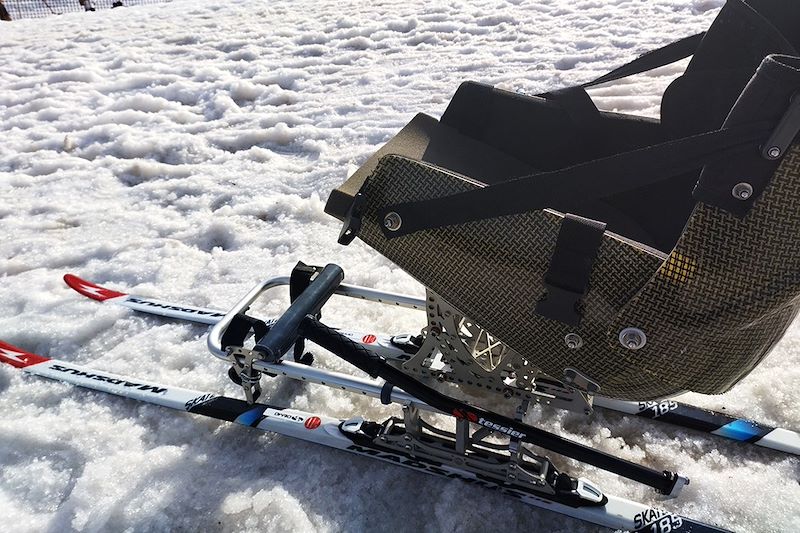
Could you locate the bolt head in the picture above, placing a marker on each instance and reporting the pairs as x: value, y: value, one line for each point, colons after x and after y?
x: 392, y: 221
x: 573, y: 341
x: 774, y: 152
x: 632, y: 338
x: 742, y: 191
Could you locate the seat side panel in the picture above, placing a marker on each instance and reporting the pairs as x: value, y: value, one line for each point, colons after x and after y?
x: 493, y: 271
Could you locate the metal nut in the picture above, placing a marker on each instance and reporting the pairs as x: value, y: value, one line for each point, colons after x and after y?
x: 742, y: 191
x: 632, y: 338
x: 392, y: 221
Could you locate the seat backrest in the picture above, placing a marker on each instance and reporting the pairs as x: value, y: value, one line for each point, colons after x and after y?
x: 742, y: 35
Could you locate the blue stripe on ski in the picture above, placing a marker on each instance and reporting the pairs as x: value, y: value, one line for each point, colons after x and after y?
x: 741, y: 430
x: 251, y: 417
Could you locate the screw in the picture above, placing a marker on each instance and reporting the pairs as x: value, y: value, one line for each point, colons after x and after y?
x: 392, y: 221
x: 774, y: 152
x: 742, y: 191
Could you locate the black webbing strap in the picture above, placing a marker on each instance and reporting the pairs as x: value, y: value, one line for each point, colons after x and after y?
x: 386, y: 393
x: 576, y: 102
x: 567, y: 189
x: 654, y: 59
x: 240, y: 327
x: 567, y: 278
x: 300, y: 279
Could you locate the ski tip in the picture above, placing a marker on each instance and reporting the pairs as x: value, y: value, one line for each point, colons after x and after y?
x: 90, y: 290
x: 17, y: 357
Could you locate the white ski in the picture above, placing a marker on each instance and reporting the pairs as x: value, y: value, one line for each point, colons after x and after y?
x: 616, y: 513
x: 668, y: 411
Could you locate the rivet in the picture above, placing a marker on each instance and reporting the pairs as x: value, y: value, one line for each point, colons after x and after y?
x: 573, y: 341
x: 774, y: 152
x: 632, y: 338
x: 392, y: 221
x: 742, y: 191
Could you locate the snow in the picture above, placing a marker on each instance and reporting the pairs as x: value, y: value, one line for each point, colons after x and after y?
x: 184, y: 151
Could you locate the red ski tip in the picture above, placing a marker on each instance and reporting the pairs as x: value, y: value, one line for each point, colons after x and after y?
x: 18, y: 357
x: 90, y: 290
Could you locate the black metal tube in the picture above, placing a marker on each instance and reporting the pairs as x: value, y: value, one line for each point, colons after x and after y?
x: 284, y: 332
x: 361, y: 357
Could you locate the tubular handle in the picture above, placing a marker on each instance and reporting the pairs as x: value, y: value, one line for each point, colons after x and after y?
x: 284, y: 332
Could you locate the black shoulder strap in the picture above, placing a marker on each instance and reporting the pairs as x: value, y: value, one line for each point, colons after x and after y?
x: 660, y: 57
x: 567, y: 278
x: 579, y: 106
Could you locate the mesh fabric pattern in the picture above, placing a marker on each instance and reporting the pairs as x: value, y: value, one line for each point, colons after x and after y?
x: 711, y: 311
x: 493, y: 271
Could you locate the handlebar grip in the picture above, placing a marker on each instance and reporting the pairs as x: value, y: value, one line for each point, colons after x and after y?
x: 283, y: 334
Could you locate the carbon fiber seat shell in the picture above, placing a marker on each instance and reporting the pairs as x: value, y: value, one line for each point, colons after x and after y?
x: 712, y: 290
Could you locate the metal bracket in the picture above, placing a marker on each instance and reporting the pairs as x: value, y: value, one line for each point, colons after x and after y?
x: 352, y: 220
x: 580, y: 381
x: 242, y: 360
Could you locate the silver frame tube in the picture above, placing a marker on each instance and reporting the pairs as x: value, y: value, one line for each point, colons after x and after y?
x: 351, y: 291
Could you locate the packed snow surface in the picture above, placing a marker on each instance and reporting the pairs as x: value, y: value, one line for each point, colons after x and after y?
x: 185, y: 151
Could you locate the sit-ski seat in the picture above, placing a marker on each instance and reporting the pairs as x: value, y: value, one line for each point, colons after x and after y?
x: 652, y: 257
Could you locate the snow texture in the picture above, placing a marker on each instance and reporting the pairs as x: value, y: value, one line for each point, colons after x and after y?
x: 185, y: 151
